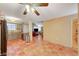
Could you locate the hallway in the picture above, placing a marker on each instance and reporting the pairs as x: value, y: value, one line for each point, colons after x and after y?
x: 55, y: 22
x: 38, y: 48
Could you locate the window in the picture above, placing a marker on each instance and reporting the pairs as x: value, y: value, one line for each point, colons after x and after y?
x: 11, y: 26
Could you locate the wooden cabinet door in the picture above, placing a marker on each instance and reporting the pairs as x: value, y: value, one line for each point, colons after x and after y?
x: 3, y: 38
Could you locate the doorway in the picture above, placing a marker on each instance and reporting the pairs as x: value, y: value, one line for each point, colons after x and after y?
x: 37, y: 30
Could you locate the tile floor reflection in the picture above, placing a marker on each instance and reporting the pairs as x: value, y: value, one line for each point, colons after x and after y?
x: 38, y: 47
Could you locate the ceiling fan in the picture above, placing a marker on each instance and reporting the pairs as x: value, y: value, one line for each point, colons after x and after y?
x: 29, y: 7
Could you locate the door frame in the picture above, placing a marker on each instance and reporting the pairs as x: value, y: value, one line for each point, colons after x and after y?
x: 3, y: 38
x: 75, y: 34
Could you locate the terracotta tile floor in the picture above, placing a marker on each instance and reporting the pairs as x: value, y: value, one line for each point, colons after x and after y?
x: 37, y: 48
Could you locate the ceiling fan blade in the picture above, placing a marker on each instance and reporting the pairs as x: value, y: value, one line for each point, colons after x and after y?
x: 25, y: 12
x: 43, y: 4
x: 39, y: 4
x: 36, y: 12
x: 35, y: 4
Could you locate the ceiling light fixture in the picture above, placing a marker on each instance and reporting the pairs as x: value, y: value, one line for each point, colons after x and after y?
x: 11, y: 19
x: 28, y: 8
x: 33, y: 10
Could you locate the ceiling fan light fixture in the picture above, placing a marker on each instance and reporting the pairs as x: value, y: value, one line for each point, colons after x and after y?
x: 32, y: 9
x: 35, y: 11
x: 27, y: 7
x: 25, y: 12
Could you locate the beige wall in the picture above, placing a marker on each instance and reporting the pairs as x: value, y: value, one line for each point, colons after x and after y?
x: 59, y: 30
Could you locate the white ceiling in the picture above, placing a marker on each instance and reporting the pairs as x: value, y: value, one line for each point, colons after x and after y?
x: 46, y: 13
